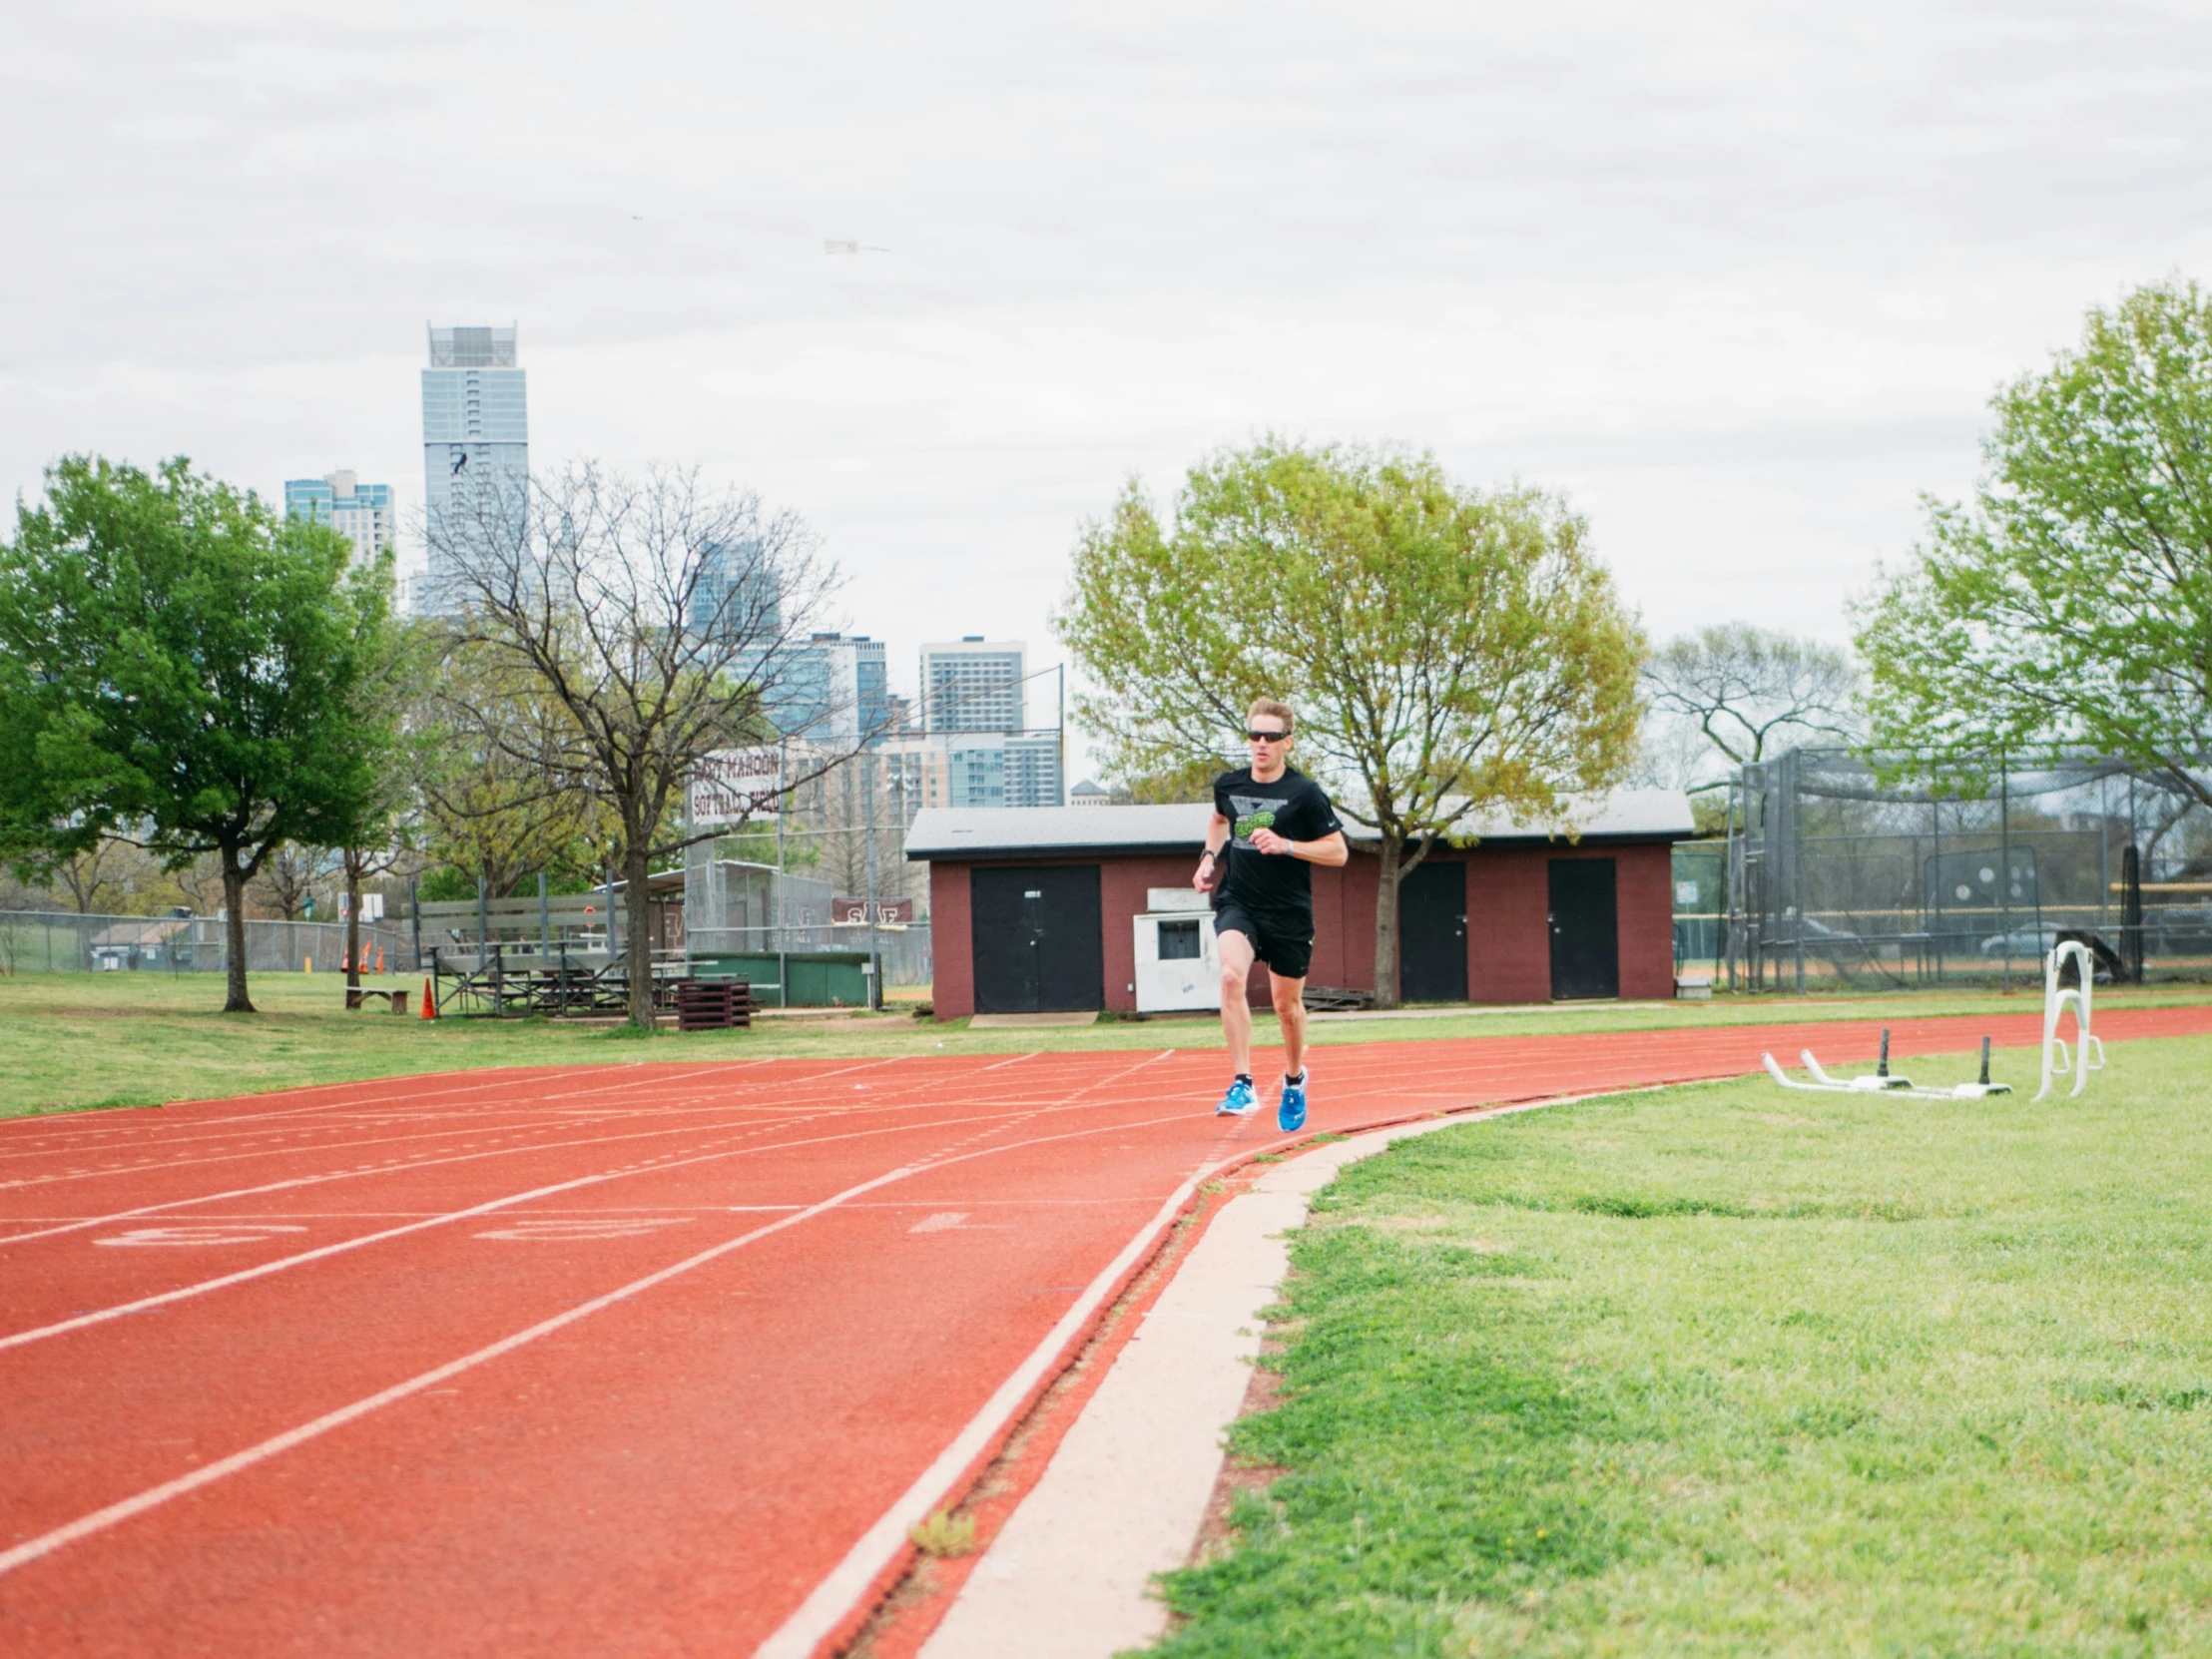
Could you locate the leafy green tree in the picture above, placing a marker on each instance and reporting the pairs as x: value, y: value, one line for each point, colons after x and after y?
x: 2071, y: 604
x: 1449, y: 652
x: 181, y: 665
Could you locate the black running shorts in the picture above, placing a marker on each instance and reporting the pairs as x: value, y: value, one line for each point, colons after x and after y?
x: 1286, y: 953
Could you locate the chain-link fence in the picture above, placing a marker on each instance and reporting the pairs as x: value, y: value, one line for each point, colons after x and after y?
x: 734, y: 908
x: 59, y: 941
x: 1838, y: 875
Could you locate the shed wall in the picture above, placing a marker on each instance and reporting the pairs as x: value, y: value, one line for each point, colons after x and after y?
x: 1508, y: 933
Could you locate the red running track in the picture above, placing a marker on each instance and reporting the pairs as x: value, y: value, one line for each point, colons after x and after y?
x: 610, y: 1360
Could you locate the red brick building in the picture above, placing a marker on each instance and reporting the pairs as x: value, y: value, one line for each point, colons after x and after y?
x: 1034, y: 909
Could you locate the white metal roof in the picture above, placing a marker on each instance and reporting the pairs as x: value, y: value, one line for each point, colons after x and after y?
x: 954, y: 832
x: 970, y: 831
x: 1652, y: 812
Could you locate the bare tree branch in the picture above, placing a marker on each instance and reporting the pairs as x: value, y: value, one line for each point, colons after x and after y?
x: 639, y: 627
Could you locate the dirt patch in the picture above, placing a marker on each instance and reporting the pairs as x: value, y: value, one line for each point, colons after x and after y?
x: 1216, y: 1537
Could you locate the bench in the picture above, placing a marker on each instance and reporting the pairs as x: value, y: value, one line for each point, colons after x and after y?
x: 356, y: 995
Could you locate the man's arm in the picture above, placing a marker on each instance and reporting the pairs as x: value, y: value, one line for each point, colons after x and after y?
x: 1216, y: 837
x: 1330, y: 850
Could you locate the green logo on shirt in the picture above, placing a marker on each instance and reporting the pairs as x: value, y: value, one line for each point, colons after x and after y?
x: 1252, y: 814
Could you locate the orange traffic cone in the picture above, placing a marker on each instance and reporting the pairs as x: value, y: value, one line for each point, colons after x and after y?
x: 380, y: 959
x: 345, y: 962
x: 429, y: 1005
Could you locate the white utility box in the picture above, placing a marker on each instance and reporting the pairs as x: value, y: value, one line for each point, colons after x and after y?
x: 1177, y: 965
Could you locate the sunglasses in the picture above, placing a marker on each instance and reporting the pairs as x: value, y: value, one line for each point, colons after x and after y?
x: 1268, y: 737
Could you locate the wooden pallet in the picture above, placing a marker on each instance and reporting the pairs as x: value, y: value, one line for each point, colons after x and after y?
x: 712, y: 1004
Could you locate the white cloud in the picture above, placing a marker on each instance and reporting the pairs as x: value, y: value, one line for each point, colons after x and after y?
x: 1739, y: 277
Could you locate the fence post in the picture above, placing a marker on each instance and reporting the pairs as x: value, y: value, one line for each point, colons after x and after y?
x: 2004, y: 863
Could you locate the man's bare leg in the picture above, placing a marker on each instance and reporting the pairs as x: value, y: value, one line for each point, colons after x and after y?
x: 1235, y: 1003
x: 1290, y: 1008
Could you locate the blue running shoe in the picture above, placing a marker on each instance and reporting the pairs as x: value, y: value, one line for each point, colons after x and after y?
x: 1238, y: 1102
x: 1289, y: 1116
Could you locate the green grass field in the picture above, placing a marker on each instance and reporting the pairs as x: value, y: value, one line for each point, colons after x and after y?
x: 1723, y: 1371
x: 75, y: 1041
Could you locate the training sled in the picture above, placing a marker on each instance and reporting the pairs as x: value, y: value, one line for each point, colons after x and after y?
x: 1880, y: 1081
x: 2086, y: 1055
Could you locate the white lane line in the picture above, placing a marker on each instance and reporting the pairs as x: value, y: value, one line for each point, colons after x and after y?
x: 835, y: 1598
x: 832, y: 1599
x: 101, y: 1519
x: 595, y: 1096
x: 606, y: 1080
x: 488, y: 1078
x: 581, y: 1229
x: 801, y: 1110
x: 263, y: 1270
x: 192, y: 1234
x: 786, y: 1120
x: 612, y: 1109
x: 295, y: 1182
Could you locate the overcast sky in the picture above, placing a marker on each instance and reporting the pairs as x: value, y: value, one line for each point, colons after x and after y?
x: 1737, y: 279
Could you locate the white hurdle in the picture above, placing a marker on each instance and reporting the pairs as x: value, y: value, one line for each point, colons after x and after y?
x: 2056, y: 1001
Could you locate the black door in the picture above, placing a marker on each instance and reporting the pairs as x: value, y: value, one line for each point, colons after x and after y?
x: 1585, y: 930
x: 1036, y: 938
x: 1433, y: 933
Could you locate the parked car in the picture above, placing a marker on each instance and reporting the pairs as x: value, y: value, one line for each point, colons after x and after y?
x: 2033, y: 940
x: 2180, y: 931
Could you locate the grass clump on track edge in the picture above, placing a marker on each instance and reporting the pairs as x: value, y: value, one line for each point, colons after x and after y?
x: 1722, y: 1369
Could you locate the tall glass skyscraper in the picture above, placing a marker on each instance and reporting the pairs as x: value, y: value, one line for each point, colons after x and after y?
x: 834, y: 690
x: 475, y: 456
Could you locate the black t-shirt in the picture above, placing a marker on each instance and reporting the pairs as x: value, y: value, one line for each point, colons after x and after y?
x: 1294, y: 806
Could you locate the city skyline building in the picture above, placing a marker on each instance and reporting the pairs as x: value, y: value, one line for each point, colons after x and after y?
x: 834, y: 689
x: 735, y: 590
x: 1001, y: 769
x: 476, y: 455
x: 974, y: 685
x: 913, y: 772
x: 361, y: 513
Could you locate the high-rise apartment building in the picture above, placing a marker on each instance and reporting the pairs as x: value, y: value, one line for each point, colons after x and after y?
x: 974, y: 685
x: 359, y: 512
x: 1002, y: 769
x: 1033, y: 769
x: 475, y: 456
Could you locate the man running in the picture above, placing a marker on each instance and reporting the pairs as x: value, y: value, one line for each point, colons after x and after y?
x: 1275, y: 820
